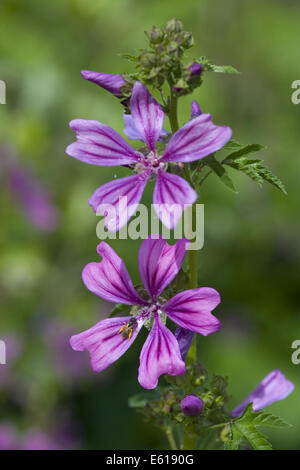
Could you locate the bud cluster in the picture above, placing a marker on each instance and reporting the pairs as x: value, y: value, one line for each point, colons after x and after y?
x: 163, y: 62
x: 190, y: 400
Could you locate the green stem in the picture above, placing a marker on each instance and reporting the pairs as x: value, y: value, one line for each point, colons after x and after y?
x: 169, y: 434
x: 173, y: 111
x: 189, y: 442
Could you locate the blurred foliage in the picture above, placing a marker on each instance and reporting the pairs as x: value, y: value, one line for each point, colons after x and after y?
x: 251, y: 252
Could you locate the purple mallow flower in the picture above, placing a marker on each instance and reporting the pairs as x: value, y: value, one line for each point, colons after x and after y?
x: 98, y: 144
x: 159, y: 263
x: 273, y: 387
x: 109, y: 81
x: 192, y: 405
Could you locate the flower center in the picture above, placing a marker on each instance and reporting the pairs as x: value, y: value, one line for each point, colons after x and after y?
x: 144, y: 315
x: 149, y: 164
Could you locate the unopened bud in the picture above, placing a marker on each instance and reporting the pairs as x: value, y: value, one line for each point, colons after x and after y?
x: 174, y: 26
x: 192, y: 405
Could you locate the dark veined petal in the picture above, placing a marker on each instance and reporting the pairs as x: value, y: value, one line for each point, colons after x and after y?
x: 160, y: 262
x: 147, y: 115
x: 172, y: 195
x: 105, y: 342
x: 191, y: 309
x: 118, y: 200
x: 160, y: 355
x: 273, y: 387
x: 110, y: 279
x: 198, y: 138
x: 98, y: 144
x: 109, y: 81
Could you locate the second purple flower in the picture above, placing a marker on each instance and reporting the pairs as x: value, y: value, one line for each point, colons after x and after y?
x: 109, y: 339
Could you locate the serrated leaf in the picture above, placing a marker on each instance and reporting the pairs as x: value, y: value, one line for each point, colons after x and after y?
x: 235, y: 438
x: 220, y: 171
x: 247, y: 426
x: 232, y: 144
x: 120, y: 309
x: 267, y: 419
x: 246, y: 150
x: 256, y: 438
x: 222, y: 69
x: 256, y: 171
x: 209, y: 67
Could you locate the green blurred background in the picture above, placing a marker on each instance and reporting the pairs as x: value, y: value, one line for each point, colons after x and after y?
x: 251, y: 252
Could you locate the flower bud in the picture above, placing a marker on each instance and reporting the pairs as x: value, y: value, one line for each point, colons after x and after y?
x: 174, y: 26
x: 109, y: 81
x: 196, y: 68
x: 155, y: 35
x: 192, y: 405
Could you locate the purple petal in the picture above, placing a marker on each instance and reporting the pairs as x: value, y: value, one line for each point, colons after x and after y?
x: 110, y: 279
x: 196, y: 139
x: 109, y: 81
x: 98, y: 144
x: 118, y: 200
x: 147, y: 115
x: 273, y: 387
x: 105, y: 342
x: 172, y: 194
x: 160, y: 262
x: 184, y: 338
x: 195, y: 109
x: 191, y: 309
x: 160, y: 355
x: 131, y: 131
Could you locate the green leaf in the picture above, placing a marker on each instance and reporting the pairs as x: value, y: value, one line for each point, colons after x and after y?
x: 256, y: 171
x: 246, y: 150
x: 235, y: 438
x: 222, y: 69
x: 232, y: 144
x: 120, y: 309
x: 220, y: 171
x: 209, y: 67
x: 267, y: 419
x: 256, y: 438
x: 246, y: 426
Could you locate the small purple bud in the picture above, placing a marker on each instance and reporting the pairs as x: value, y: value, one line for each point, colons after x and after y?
x: 195, y: 109
x: 184, y: 338
x: 109, y: 81
x: 196, y: 69
x: 192, y: 405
